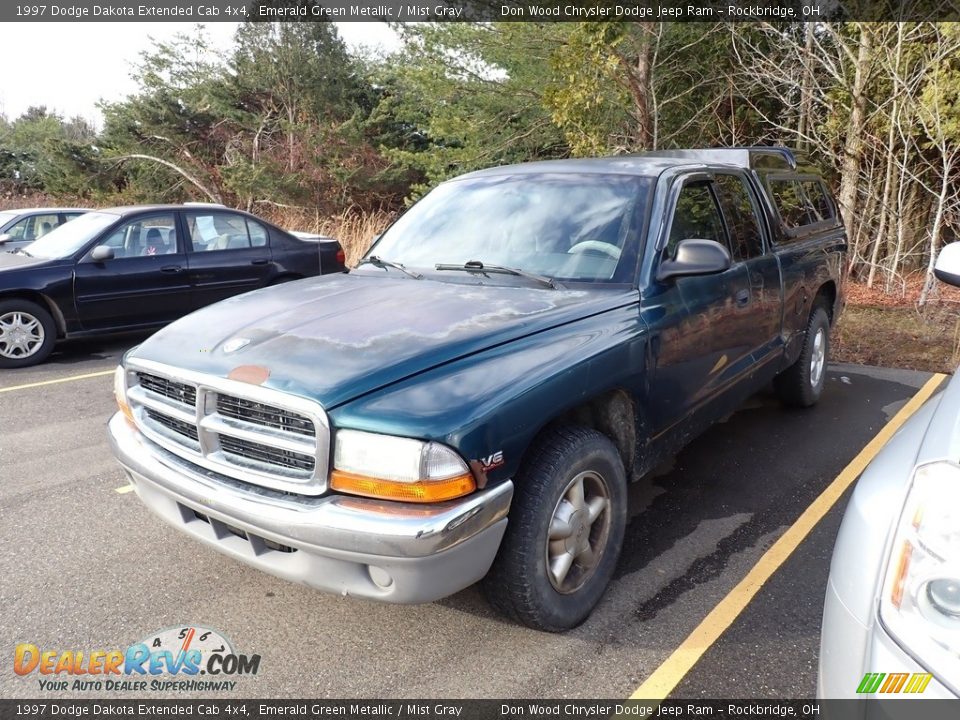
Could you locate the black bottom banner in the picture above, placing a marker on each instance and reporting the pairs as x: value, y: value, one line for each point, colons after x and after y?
x: 866, y: 709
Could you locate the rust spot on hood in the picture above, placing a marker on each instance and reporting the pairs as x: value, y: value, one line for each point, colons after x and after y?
x: 251, y: 374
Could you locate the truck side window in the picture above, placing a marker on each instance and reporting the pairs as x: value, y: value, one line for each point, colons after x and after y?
x: 696, y: 217
x: 818, y: 199
x: 801, y: 202
x: 791, y: 203
x: 746, y: 238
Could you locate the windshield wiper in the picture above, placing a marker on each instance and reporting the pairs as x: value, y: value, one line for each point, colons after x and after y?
x: 475, y: 266
x: 379, y: 262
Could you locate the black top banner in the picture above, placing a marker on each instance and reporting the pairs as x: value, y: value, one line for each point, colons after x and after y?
x: 478, y: 10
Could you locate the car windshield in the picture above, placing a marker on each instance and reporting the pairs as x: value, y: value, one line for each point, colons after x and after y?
x: 6, y: 217
x: 581, y: 227
x: 70, y: 237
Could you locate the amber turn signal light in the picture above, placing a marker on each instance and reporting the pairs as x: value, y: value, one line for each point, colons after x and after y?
x: 900, y: 579
x: 421, y: 491
x: 120, y: 394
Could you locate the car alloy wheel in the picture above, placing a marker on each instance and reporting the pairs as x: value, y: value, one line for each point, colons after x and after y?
x: 578, y: 533
x: 818, y: 357
x: 21, y: 335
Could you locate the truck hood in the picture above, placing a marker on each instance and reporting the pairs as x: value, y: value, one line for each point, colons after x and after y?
x: 337, y: 337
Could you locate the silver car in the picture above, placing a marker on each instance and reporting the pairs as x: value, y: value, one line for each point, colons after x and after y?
x: 891, y: 618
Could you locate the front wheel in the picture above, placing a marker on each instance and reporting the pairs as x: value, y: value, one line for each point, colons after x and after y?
x: 565, y: 531
x: 27, y: 333
x: 801, y: 384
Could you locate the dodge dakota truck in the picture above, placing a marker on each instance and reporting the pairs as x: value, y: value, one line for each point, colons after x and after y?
x: 470, y: 402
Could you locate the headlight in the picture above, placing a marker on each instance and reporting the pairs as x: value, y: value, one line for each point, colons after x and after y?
x: 920, y: 604
x: 120, y: 393
x: 394, y: 468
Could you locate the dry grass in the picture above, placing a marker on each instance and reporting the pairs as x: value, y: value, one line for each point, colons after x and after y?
x: 10, y: 200
x: 354, y: 229
x: 899, y: 336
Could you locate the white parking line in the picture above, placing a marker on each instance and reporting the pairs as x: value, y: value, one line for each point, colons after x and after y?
x: 123, y: 490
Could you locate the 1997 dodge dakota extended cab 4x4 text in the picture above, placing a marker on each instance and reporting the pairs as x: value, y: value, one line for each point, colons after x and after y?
x: 470, y: 402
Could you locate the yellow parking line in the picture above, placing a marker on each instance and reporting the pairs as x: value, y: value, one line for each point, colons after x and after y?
x: 666, y: 677
x: 56, y: 381
x: 123, y: 490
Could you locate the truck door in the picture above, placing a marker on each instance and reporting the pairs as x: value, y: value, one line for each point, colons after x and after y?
x: 701, y: 324
x: 764, y: 305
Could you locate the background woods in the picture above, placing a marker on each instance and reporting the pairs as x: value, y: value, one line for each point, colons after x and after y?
x: 291, y: 125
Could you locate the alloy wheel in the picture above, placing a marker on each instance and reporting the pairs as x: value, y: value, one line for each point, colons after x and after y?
x: 579, y: 529
x: 21, y: 335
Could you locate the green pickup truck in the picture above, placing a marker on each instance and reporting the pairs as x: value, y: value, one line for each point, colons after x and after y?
x: 470, y: 402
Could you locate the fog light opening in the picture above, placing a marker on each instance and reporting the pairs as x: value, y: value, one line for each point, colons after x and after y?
x: 381, y: 578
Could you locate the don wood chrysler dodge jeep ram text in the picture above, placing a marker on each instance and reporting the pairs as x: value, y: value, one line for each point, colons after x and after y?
x: 470, y: 402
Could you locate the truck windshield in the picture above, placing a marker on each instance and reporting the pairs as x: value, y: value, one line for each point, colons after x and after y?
x: 70, y: 237
x: 580, y: 227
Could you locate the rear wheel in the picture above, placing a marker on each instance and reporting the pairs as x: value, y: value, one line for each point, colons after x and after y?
x: 27, y: 333
x: 566, y: 527
x: 801, y: 384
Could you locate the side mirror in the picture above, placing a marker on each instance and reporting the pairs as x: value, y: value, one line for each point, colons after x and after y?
x: 102, y: 253
x: 5, y: 237
x: 695, y: 257
x: 947, y: 268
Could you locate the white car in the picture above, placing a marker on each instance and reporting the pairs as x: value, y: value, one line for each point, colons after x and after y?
x: 891, y: 618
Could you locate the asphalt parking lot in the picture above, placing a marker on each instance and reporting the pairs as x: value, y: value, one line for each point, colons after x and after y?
x: 86, y: 566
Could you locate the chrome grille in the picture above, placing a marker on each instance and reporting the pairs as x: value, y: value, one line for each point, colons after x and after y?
x: 265, y: 454
x: 261, y: 414
x: 177, y: 391
x: 246, y: 432
x: 177, y: 426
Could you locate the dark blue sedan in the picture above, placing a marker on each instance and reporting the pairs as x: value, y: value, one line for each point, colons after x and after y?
x: 135, y: 268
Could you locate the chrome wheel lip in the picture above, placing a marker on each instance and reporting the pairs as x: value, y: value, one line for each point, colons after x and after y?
x: 579, y: 532
x: 21, y: 335
x: 818, y: 357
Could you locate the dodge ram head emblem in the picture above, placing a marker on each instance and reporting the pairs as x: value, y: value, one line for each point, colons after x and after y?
x: 234, y: 344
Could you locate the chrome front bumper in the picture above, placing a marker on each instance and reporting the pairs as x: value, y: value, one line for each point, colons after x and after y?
x: 394, y: 552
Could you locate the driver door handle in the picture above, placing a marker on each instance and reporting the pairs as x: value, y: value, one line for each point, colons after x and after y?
x: 171, y: 269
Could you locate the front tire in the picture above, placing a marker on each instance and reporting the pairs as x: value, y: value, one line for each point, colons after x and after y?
x: 27, y: 333
x: 801, y: 384
x: 565, y: 532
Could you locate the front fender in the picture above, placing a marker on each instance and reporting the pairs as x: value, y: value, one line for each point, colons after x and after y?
x: 499, y: 399
x: 49, y: 284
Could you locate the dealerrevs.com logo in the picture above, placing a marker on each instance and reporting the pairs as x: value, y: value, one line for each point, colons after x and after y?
x: 912, y: 683
x: 170, y: 660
